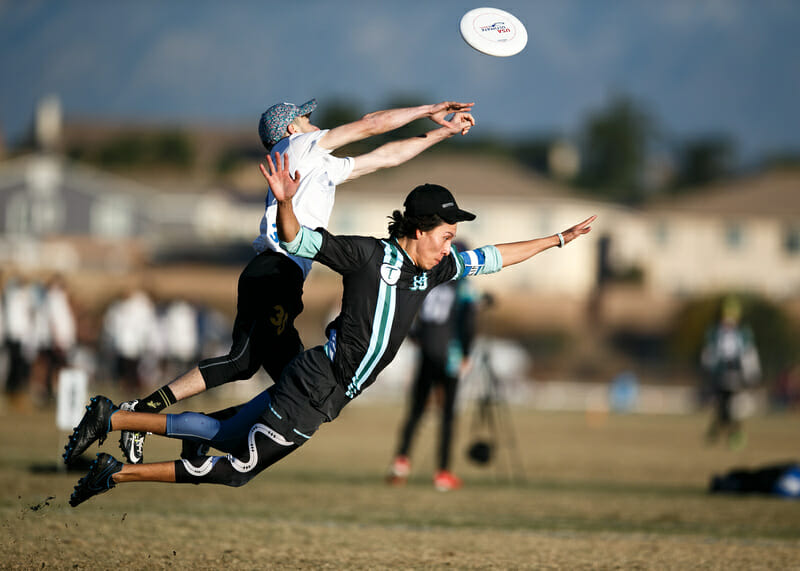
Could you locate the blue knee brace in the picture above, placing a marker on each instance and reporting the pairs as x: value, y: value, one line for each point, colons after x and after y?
x: 192, y: 425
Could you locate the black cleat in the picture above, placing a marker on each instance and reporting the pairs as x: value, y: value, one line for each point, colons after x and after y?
x: 97, y: 480
x: 94, y: 425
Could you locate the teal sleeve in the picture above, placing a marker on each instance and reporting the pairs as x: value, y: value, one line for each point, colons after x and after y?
x: 306, y: 244
x: 494, y: 261
x: 483, y: 260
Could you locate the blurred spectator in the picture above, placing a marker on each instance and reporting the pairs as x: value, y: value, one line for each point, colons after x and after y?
x: 131, y: 329
x: 213, y: 331
x: 56, y: 335
x: 3, y: 349
x: 179, y: 325
x: 444, y: 331
x: 20, y: 339
x: 731, y: 360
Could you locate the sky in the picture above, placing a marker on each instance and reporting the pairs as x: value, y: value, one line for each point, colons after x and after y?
x: 699, y: 67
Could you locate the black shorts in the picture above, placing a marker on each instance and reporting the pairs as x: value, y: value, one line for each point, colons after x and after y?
x: 306, y: 395
x: 269, y: 300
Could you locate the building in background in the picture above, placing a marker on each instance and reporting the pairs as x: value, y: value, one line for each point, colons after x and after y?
x: 59, y: 214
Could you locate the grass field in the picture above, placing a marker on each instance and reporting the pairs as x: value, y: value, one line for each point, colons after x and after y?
x: 598, y: 492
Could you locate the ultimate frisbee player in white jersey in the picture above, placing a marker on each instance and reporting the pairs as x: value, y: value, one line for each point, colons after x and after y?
x: 270, y: 287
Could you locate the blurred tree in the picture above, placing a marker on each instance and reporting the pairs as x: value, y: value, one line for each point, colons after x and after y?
x: 172, y: 148
x: 237, y: 156
x: 783, y: 160
x: 703, y: 160
x: 615, y: 140
x: 534, y: 153
x: 167, y: 148
x: 335, y: 112
x: 121, y: 151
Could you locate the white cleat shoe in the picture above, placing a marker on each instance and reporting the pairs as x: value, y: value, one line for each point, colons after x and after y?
x: 132, y: 443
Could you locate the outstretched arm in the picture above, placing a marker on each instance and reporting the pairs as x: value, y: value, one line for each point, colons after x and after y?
x: 283, y: 186
x: 397, y: 152
x: 516, y: 252
x: 389, y: 120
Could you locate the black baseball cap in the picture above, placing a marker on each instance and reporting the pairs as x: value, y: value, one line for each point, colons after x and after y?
x: 429, y: 199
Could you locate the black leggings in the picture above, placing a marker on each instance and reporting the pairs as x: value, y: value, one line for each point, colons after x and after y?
x: 431, y: 374
x: 251, y: 444
x: 233, y: 470
x: 264, y: 335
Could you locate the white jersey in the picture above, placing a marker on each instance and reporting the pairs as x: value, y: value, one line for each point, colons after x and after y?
x: 320, y: 172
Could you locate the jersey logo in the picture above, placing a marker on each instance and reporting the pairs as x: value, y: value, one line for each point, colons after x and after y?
x: 390, y: 274
x: 420, y: 282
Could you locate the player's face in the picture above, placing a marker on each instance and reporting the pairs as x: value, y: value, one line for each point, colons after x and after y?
x: 434, y: 245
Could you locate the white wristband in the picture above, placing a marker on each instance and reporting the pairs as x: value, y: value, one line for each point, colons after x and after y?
x: 561, y: 239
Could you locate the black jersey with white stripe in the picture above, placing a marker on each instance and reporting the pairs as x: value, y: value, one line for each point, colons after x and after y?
x: 383, y: 290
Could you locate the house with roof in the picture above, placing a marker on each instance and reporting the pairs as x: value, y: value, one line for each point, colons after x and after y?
x: 511, y: 203
x: 56, y: 214
x: 741, y: 235
x: 737, y: 235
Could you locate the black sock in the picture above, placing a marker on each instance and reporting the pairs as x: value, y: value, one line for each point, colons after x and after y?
x: 156, y: 402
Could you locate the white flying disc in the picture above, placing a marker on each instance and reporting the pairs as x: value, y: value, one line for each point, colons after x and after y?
x: 494, y: 32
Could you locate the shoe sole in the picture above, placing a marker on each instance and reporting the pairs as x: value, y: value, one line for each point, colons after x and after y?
x: 70, y: 452
x: 112, y: 466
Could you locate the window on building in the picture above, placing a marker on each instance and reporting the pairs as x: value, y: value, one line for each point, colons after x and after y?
x: 734, y: 235
x: 791, y: 240
x: 47, y: 216
x: 112, y: 218
x: 18, y: 215
x: 661, y: 233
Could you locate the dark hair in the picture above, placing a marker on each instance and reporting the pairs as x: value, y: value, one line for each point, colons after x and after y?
x: 402, y: 226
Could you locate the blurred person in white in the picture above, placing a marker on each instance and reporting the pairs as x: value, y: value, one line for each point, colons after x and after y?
x: 58, y: 337
x: 179, y: 324
x: 730, y: 358
x: 270, y: 287
x: 3, y: 350
x: 20, y: 339
x: 131, y: 325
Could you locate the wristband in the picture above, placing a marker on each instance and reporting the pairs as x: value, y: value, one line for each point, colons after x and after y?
x: 561, y: 240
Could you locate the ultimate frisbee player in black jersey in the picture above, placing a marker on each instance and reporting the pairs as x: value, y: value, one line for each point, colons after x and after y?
x: 385, y: 282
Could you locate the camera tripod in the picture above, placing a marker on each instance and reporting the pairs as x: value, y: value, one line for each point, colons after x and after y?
x: 491, y: 429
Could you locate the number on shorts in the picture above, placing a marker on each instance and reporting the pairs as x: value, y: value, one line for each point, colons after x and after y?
x: 279, y: 319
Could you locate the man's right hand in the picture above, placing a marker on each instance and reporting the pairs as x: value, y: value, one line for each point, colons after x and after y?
x: 281, y: 182
x: 460, y: 123
x: 441, y: 110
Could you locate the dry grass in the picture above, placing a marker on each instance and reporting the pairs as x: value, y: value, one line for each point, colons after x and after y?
x: 599, y: 492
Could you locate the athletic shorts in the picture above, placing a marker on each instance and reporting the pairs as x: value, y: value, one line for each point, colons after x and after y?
x: 306, y: 395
